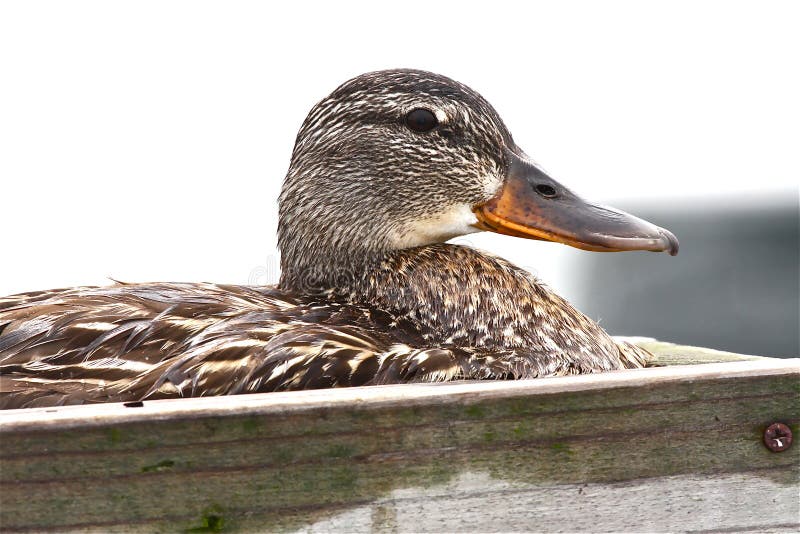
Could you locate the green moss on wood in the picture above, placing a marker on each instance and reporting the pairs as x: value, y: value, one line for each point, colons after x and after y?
x: 160, y: 466
x: 212, y: 520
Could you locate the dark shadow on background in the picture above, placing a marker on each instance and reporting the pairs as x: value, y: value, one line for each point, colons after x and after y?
x: 734, y: 286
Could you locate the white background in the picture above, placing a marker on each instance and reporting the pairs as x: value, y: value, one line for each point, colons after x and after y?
x: 147, y: 141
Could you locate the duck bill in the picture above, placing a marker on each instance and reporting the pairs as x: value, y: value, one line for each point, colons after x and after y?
x: 532, y: 205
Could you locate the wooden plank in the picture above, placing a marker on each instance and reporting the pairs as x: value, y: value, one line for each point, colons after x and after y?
x: 101, y: 414
x: 290, y: 460
x: 477, y: 502
x: 671, y: 354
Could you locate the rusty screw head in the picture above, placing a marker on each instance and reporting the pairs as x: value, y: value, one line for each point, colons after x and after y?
x: 777, y: 437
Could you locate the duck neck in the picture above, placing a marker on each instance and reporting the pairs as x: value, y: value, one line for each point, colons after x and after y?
x: 320, y: 274
x: 458, y: 295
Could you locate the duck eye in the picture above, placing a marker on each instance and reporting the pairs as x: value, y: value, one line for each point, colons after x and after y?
x: 421, y: 120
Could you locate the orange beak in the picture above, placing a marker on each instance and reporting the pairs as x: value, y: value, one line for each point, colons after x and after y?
x: 530, y: 204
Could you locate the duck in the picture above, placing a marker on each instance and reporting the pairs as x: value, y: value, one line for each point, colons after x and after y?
x: 385, y: 171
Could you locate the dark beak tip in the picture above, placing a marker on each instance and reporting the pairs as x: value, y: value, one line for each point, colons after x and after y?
x: 672, y: 244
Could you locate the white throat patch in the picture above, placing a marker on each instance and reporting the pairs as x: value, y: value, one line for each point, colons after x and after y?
x: 455, y: 221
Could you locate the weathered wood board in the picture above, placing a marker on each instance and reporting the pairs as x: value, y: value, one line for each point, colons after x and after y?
x: 659, y: 449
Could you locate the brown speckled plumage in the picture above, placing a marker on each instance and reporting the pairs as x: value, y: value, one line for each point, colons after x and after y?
x: 367, y: 294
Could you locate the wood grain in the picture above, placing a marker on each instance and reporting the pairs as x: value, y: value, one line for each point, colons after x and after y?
x: 494, y: 456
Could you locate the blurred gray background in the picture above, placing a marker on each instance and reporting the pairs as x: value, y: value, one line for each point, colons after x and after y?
x: 735, y: 284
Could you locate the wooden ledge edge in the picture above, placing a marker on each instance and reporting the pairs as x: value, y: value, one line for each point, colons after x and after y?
x: 665, y: 353
x: 37, y: 419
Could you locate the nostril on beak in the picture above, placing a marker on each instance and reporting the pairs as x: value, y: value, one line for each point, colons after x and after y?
x: 546, y: 190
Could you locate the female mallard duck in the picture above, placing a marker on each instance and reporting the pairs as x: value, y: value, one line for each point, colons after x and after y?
x: 384, y: 171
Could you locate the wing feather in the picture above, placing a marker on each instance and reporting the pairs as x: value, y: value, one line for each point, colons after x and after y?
x: 148, y: 341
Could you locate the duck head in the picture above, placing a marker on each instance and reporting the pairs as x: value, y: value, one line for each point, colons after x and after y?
x: 399, y: 159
